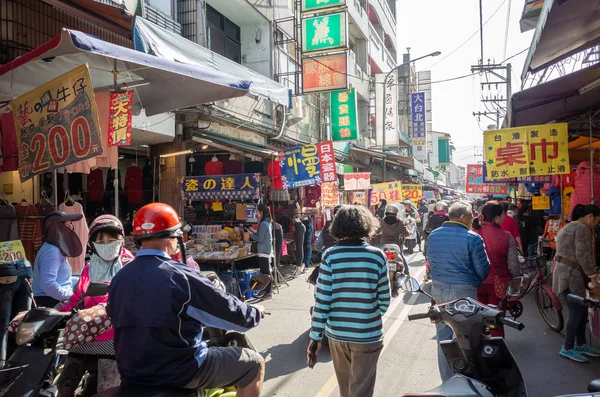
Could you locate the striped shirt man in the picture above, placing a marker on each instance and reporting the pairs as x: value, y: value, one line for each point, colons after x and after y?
x: 353, y: 293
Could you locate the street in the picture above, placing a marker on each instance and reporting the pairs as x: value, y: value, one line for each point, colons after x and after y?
x: 409, y: 361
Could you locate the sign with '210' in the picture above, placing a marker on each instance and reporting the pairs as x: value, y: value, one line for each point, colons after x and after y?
x: 57, y: 124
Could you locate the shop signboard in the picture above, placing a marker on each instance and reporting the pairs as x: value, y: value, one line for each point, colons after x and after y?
x: 57, y: 124
x: 522, y: 179
x: 412, y: 192
x: 325, y: 32
x: 357, y: 181
x: 475, y: 182
x: 325, y: 72
x: 389, y: 105
x: 419, y: 120
x: 330, y: 196
x: 527, y: 151
x: 344, y: 122
x: 320, y: 5
x: 389, y: 191
x: 221, y: 187
x: 307, y: 165
x: 120, y: 114
x: 540, y: 202
x: 444, y: 151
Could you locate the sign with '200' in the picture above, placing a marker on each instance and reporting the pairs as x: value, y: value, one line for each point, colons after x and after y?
x: 57, y: 124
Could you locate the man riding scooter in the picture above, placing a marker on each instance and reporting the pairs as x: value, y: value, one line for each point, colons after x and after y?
x: 159, y: 308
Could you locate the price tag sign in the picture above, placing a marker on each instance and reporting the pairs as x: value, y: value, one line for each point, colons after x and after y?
x: 12, y: 251
x: 540, y: 202
x: 412, y: 192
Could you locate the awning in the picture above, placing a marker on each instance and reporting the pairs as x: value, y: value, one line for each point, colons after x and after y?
x: 161, y: 85
x: 564, y: 28
x: 236, y: 146
x: 558, y: 100
x: 152, y: 39
x: 405, y: 162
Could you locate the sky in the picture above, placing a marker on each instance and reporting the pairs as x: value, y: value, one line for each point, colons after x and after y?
x: 440, y: 25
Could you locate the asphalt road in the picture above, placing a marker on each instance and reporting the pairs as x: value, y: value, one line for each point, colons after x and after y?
x: 409, y: 361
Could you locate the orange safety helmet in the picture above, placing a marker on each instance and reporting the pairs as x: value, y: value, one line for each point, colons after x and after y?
x: 156, y: 220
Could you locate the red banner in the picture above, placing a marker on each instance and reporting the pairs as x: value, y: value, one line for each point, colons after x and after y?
x: 119, y: 124
x: 475, y: 182
x: 327, y: 162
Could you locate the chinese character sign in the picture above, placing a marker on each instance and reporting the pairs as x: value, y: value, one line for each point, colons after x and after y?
x: 412, y: 192
x: 476, y: 184
x: 306, y: 165
x: 119, y: 123
x: 540, y: 202
x: 389, y: 191
x: 344, y: 124
x: 325, y: 32
x: 314, y: 5
x: 418, y: 119
x: 330, y: 195
x: 357, y: 181
x: 222, y: 187
x: 444, y: 150
x: 527, y: 151
x: 57, y: 124
x: 325, y: 73
x: 386, y: 109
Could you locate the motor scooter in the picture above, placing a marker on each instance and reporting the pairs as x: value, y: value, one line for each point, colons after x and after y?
x: 483, y: 366
x: 396, y: 265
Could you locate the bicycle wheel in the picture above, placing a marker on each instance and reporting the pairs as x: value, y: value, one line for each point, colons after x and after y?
x: 551, y: 315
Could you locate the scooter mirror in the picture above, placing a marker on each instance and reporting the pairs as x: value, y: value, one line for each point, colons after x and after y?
x: 97, y: 289
x: 259, y: 282
x: 408, y: 284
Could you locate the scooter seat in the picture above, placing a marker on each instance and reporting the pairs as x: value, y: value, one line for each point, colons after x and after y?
x: 457, y: 386
x: 139, y: 391
x: 594, y: 386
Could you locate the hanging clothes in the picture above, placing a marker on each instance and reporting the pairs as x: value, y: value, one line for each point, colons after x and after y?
x: 148, y: 182
x: 95, y: 186
x: 312, y: 195
x: 30, y: 230
x: 233, y: 167
x: 45, y: 208
x: 307, y: 241
x: 9, y: 228
x: 81, y: 229
x: 9, y: 143
x: 274, y: 170
x: 213, y: 167
x: 83, y: 167
x: 299, y: 231
x: 254, y: 167
x: 133, y: 185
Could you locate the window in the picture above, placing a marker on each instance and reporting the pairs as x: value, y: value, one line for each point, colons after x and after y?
x: 223, y: 35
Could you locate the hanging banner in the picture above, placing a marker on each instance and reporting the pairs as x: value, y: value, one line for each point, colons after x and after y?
x: 330, y: 196
x: 540, y: 202
x: 475, y: 182
x: 389, y: 105
x: 308, y: 165
x: 57, y: 124
x: 444, y: 151
x: 358, y: 198
x: 389, y: 191
x: 524, y: 179
x: 344, y: 123
x: 120, y: 114
x: 357, y: 181
x: 325, y: 73
x: 412, y: 192
x: 527, y: 151
x: 419, y: 120
x: 326, y: 32
x: 221, y: 187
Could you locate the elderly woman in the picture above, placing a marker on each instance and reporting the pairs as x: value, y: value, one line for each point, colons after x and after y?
x: 574, y: 266
x: 355, y: 332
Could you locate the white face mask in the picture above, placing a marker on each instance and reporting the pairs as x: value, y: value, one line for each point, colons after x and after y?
x: 109, y: 252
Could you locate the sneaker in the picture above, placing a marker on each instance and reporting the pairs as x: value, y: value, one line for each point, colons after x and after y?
x: 573, y: 354
x: 587, y: 350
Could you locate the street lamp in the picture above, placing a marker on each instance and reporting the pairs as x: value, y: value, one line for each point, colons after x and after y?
x: 433, y: 54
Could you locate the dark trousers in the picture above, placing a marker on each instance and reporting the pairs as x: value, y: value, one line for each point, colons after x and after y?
x: 265, y: 268
x: 576, y: 324
x: 278, y: 233
x: 14, y: 295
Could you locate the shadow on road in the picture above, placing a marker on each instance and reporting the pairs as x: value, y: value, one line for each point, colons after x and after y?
x: 289, y: 358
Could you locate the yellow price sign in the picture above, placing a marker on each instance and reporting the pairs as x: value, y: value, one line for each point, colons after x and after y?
x: 540, y: 202
x: 412, y: 192
x: 11, y: 251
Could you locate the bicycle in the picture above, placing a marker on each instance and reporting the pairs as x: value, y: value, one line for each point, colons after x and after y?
x: 546, y: 300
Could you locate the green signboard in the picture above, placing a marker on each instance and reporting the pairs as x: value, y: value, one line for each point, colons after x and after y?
x: 443, y: 150
x: 315, y: 5
x: 325, y: 32
x: 344, y: 122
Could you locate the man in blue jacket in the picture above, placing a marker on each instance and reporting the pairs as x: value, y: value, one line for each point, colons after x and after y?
x: 159, y: 308
x: 458, y: 264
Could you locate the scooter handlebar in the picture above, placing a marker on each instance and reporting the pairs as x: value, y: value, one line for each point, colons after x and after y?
x: 417, y: 316
x: 512, y: 323
x: 583, y: 301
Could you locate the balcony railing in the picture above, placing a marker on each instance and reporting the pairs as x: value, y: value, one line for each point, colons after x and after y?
x: 383, y: 55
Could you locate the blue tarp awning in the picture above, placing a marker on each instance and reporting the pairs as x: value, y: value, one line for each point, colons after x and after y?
x: 161, y: 85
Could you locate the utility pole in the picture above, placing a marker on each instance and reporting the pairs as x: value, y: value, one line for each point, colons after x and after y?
x: 498, y: 74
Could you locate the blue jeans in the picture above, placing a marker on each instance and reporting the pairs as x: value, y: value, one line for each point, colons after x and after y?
x: 14, y: 297
x: 445, y: 292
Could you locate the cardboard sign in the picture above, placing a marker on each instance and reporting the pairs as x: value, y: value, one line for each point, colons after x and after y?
x: 540, y: 202
x: 12, y: 251
x: 412, y: 192
x: 389, y: 191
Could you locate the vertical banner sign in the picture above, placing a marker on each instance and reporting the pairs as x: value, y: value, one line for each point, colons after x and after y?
x: 476, y: 184
x: 325, y: 73
x: 390, y: 104
x: 315, y: 5
x: 119, y: 123
x: 327, y: 32
x: 412, y: 192
x: 357, y: 181
x: 419, y: 121
x: 444, y: 150
x: 344, y: 123
x: 330, y: 196
x: 527, y: 151
x: 389, y: 191
x: 308, y: 165
x: 57, y: 124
